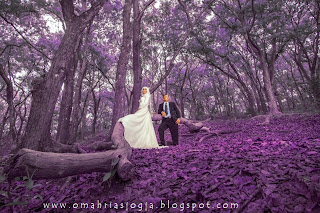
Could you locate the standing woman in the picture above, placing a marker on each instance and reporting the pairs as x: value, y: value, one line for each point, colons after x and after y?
x: 138, y: 127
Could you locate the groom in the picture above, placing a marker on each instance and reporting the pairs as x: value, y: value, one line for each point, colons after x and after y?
x: 170, y: 119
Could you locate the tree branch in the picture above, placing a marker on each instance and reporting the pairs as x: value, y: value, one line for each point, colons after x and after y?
x: 67, y: 10
x: 144, y: 8
x: 24, y: 38
x: 93, y: 11
x: 5, y: 77
x: 9, y: 45
x: 104, y: 75
x: 184, y: 39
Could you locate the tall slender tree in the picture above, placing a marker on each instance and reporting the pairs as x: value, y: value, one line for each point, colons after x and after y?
x: 120, y: 89
x: 136, y: 48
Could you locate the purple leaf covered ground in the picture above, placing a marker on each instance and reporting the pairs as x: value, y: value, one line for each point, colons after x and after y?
x: 263, y: 168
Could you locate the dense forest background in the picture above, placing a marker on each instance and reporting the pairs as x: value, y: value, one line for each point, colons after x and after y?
x: 245, y: 75
x: 71, y: 68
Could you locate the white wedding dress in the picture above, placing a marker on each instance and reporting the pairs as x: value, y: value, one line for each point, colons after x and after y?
x: 138, y: 127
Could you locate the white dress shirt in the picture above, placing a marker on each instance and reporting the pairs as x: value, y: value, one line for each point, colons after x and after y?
x: 164, y: 105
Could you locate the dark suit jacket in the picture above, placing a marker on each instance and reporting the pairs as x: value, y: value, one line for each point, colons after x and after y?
x: 175, y: 113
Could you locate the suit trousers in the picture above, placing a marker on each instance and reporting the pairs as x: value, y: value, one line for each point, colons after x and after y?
x: 173, y: 127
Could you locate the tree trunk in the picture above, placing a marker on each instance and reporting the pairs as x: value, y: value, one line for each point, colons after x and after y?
x: 315, y: 88
x: 261, y: 105
x: 262, y: 100
x: 12, y: 116
x: 84, y: 128
x: 37, y: 135
x: 63, y: 130
x: 3, y: 123
x: 22, y: 119
x: 248, y: 94
x: 120, y: 87
x: 96, y: 104
x: 78, y: 89
x: 273, y: 108
x: 216, y: 96
x: 136, y: 60
x: 298, y: 89
x: 182, y: 93
x: 50, y: 165
x: 250, y: 98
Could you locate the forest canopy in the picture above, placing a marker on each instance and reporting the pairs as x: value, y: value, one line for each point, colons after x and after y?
x: 213, y: 58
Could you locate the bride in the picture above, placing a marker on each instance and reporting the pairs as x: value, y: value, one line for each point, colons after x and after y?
x: 138, y: 127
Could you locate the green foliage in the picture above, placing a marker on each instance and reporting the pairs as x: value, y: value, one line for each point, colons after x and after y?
x: 28, y: 184
x: 108, y: 176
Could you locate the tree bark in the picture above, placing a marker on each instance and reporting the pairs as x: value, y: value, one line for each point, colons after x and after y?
x: 75, y: 121
x: 136, y: 47
x: 63, y: 130
x: 120, y: 87
x: 273, y: 108
x: 193, y: 126
x: 248, y: 94
x: 3, y: 123
x: 11, y: 107
x: 96, y: 104
x: 37, y: 135
x: 50, y: 165
x: 182, y: 90
x: 136, y: 60
x: 22, y: 119
x: 84, y: 128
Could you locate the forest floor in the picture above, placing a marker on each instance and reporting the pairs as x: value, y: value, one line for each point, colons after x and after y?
x: 263, y: 168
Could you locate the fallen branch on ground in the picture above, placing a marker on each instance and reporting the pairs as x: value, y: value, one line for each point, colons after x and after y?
x: 210, y: 134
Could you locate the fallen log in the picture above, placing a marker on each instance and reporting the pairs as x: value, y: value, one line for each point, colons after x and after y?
x: 99, y: 146
x: 50, y: 165
x: 54, y: 164
x: 193, y: 126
